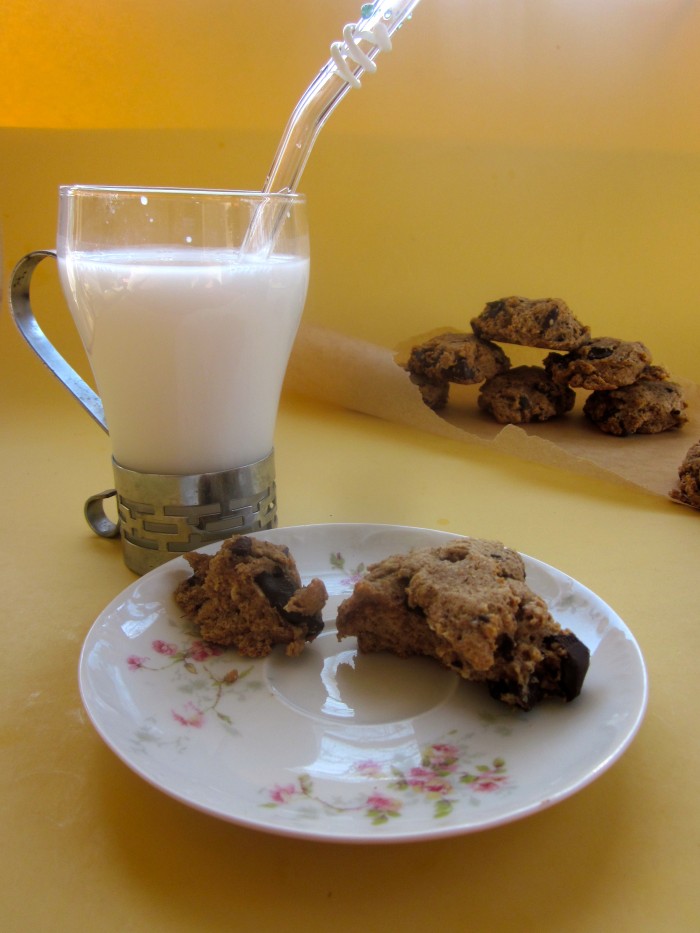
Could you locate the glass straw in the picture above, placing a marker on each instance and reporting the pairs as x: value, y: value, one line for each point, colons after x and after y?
x: 362, y: 41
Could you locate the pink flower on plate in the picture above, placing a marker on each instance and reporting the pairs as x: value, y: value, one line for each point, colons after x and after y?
x: 164, y: 647
x: 191, y: 716
x: 282, y: 794
x: 428, y: 782
x: 441, y: 757
x: 135, y: 663
x: 200, y: 651
x: 380, y: 806
x: 419, y: 776
x: 489, y: 783
x: 487, y: 778
x: 486, y: 786
x: 368, y: 769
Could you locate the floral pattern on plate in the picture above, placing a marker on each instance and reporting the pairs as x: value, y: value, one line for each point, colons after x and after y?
x: 192, y: 675
x: 447, y: 774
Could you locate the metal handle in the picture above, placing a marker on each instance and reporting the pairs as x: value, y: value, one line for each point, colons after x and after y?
x: 21, y: 311
x: 96, y: 518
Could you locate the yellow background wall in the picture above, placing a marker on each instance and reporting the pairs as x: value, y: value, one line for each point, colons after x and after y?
x: 504, y: 146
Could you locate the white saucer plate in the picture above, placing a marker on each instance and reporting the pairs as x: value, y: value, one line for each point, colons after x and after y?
x: 341, y: 747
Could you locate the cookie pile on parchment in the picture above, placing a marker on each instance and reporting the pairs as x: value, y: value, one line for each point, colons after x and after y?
x: 628, y: 393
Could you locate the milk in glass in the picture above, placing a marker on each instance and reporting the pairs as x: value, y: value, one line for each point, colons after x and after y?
x: 188, y: 347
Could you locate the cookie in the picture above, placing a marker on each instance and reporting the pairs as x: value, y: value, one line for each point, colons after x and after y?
x: 467, y: 605
x: 688, y: 488
x: 249, y: 596
x: 603, y: 363
x: 648, y: 406
x: 448, y: 358
x: 524, y: 394
x: 459, y: 358
x: 548, y: 323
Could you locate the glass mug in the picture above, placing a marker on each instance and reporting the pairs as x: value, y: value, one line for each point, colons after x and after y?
x: 188, y: 322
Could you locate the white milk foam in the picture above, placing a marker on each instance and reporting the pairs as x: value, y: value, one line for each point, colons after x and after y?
x: 188, y: 348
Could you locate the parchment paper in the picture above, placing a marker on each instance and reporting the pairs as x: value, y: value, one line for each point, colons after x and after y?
x: 364, y: 377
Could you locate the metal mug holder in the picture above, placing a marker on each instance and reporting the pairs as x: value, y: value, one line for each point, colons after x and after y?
x: 158, y: 515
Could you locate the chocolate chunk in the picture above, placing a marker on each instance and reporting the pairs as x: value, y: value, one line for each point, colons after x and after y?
x: 276, y: 586
x: 560, y: 674
x: 241, y: 546
x: 494, y: 308
x: 504, y: 647
x: 600, y: 353
x: 314, y: 624
x: 513, y: 693
x: 464, y: 373
x: 575, y: 659
x: 279, y: 589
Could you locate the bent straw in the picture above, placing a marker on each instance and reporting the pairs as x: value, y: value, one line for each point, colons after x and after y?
x: 362, y: 41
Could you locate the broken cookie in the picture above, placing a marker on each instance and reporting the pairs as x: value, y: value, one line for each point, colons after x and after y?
x: 467, y: 605
x: 249, y: 596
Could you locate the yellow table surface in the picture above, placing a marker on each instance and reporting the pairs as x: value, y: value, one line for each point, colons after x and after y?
x: 89, y: 845
x: 535, y: 149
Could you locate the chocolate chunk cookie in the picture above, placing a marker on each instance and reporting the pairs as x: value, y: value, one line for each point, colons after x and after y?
x: 540, y: 322
x: 688, y: 488
x: 249, y: 596
x: 450, y: 357
x: 525, y: 394
x: 460, y: 358
x: 603, y: 363
x: 648, y: 406
x: 467, y: 605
